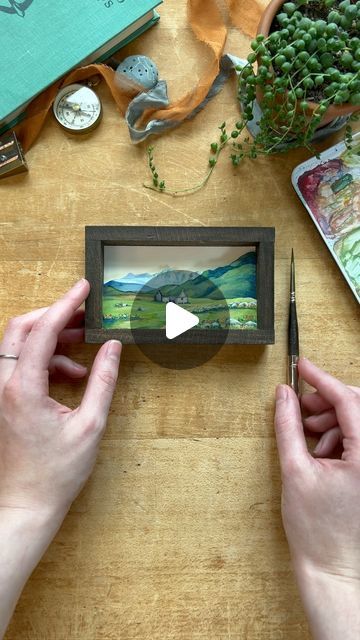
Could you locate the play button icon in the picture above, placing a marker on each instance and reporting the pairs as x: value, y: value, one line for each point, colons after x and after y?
x: 178, y: 320
x: 171, y: 313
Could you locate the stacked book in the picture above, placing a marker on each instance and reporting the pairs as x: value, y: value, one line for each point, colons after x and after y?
x: 41, y: 41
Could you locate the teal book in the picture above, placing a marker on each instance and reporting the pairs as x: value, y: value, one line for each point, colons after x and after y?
x: 42, y: 40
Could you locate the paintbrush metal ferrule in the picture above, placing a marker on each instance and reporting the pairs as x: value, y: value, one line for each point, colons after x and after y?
x: 293, y: 374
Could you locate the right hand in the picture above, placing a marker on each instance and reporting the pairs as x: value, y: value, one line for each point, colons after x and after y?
x: 321, y: 497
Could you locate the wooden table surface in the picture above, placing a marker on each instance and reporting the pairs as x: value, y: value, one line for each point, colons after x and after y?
x: 178, y: 533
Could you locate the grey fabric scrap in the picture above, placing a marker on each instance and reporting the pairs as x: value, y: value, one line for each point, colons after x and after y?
x: 157, y: 98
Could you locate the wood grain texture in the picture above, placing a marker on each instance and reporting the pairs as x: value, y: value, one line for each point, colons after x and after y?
x: 178, y: 533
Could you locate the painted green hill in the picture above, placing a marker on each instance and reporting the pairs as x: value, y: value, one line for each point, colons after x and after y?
x: 236, y: 280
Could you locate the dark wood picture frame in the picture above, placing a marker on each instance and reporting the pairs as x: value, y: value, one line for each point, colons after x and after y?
x: 263, y: 238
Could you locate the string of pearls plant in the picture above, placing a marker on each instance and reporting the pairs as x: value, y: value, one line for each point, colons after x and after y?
x: 309, y: 61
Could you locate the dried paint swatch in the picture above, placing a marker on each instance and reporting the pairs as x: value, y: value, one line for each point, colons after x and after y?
x: 329, y: 188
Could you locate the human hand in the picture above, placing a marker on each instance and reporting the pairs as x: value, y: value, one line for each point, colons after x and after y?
x: 320, y: 499
x: 47, y: 450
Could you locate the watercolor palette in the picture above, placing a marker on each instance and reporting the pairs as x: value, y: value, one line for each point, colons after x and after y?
x: 329, y: 188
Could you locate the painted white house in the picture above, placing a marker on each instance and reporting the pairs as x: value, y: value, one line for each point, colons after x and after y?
x: 181, y: 299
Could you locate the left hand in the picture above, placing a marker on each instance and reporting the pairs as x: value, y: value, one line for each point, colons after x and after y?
x: 47, y: 450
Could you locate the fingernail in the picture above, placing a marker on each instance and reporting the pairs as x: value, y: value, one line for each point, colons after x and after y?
x: 281, y: 392
x: 319, y: 447
x: 78, y: 366
x: 113, y: 349
x: 80, y: 283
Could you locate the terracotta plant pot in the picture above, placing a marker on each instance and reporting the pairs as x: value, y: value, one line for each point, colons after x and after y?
x: 334, y: 111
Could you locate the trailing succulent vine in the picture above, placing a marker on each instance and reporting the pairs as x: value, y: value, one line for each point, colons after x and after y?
x: 309, y: 61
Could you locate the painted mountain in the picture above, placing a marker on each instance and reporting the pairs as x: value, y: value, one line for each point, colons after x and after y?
x: 235, y: 280
x: 132, y: 282
x: 126, y: 287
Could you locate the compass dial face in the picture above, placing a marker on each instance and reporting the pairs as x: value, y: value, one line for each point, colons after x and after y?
x: 77, y: 108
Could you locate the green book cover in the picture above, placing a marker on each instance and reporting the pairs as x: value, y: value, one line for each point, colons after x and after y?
x: 41, y: 40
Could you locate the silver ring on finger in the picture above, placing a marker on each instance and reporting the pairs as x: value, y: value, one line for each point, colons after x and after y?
x: 8, y: 356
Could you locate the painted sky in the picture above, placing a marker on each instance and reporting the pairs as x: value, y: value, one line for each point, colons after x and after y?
x: 119, y: 261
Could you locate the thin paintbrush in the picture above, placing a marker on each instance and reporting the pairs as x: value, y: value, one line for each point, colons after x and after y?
x: 293, y: 334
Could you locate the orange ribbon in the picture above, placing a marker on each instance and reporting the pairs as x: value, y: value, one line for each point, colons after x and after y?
x: 208, y: 26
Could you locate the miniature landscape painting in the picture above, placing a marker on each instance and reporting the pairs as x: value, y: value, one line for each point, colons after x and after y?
x: 218, y: 284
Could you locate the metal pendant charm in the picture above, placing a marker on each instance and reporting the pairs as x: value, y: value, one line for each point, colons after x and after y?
x: 136, y: 74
